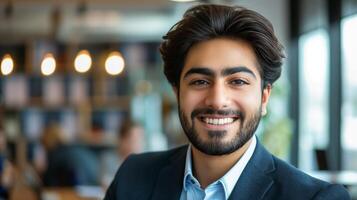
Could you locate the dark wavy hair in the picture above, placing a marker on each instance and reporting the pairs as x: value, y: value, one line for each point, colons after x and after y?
x: 208, y: 21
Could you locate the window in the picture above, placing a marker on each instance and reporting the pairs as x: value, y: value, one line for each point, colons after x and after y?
x: 313, y: 88
x: 349, y: 103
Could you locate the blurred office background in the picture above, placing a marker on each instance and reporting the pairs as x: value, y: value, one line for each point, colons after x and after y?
x: 73, y: 71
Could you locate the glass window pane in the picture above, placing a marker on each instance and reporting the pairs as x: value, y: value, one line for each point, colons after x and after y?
x: 313, y: 88
x: 349, y: 7
x: 313, y: 15
x: 349, y: 105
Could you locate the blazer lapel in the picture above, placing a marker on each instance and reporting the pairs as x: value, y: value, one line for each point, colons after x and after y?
x: 169, y: 182
x: 255, y: 181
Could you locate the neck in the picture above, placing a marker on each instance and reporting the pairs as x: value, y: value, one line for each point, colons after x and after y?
x: 208, y: 168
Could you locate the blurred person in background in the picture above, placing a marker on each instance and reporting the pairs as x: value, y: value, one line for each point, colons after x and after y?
x: 221, y: 62
x: 67, y: 164
x: 6, y: 167
x: 18, y: 180
x: 130, y: 140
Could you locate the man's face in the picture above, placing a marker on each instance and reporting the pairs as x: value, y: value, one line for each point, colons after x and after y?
x: 220, y: 95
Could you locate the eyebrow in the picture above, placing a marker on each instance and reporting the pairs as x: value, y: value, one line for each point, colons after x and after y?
x: 225, y: 72
x: 199, y: 70
x: 233, y: 70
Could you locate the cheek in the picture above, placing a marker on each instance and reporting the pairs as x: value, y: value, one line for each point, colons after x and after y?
x: 188, y: 100
x: 250, y: 102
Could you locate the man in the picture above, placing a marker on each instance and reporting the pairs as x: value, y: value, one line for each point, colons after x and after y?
x: 221, y: 62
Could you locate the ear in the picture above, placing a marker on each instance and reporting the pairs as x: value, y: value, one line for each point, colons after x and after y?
x: 265, y: 98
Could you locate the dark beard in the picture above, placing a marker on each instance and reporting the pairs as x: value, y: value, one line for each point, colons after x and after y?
x: 215, y: 146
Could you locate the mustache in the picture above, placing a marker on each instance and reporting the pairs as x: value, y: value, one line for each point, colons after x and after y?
x: 210, y: 111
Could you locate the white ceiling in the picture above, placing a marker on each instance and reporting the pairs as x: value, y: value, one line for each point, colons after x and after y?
x: 111, y: 20
x: 92, y: 21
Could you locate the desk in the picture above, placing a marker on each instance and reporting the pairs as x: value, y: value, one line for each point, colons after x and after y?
x: 60, y: 193
x: 77, y: 193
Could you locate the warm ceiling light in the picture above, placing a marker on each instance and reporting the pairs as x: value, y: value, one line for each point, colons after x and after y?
x: 7, y: 65
x: 83, y: 61
x: 114, y: 64
x: 48, y: 65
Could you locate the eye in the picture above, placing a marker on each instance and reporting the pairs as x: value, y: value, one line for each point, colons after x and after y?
x: 199, y: 83
x: 238, y: 82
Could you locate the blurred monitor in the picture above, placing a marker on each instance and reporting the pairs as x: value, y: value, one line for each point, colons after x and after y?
x: 321, y: 159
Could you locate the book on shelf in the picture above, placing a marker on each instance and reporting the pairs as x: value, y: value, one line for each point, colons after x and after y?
x: 15, y: 91
x: 53, y: 91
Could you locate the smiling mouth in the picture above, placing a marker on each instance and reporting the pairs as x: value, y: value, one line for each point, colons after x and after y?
x: 218, y: 121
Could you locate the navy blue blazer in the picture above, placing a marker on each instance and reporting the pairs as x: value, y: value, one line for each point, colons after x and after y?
x: 159, y: 176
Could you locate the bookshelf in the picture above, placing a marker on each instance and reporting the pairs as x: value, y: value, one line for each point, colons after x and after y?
x: 88, y: 107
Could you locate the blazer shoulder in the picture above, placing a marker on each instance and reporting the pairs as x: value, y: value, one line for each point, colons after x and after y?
x: 291, y: 180
x: 285, y: 172
x: 332, y: 192
x: 152, y: 159
x: 146, y: 166
x: 136, y: 177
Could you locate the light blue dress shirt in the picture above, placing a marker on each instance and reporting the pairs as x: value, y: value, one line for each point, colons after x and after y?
x: 218, y: 190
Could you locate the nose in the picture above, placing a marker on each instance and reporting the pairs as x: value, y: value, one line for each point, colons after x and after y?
x: 217, y: 96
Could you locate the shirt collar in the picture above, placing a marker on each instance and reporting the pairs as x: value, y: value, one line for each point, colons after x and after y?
x: 188, y: 168
x: 230, y: 178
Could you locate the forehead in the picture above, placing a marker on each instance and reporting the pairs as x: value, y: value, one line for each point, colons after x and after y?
x: 218, y: 54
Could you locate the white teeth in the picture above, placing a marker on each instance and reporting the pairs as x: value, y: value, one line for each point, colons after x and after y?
x: 216, y: 121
